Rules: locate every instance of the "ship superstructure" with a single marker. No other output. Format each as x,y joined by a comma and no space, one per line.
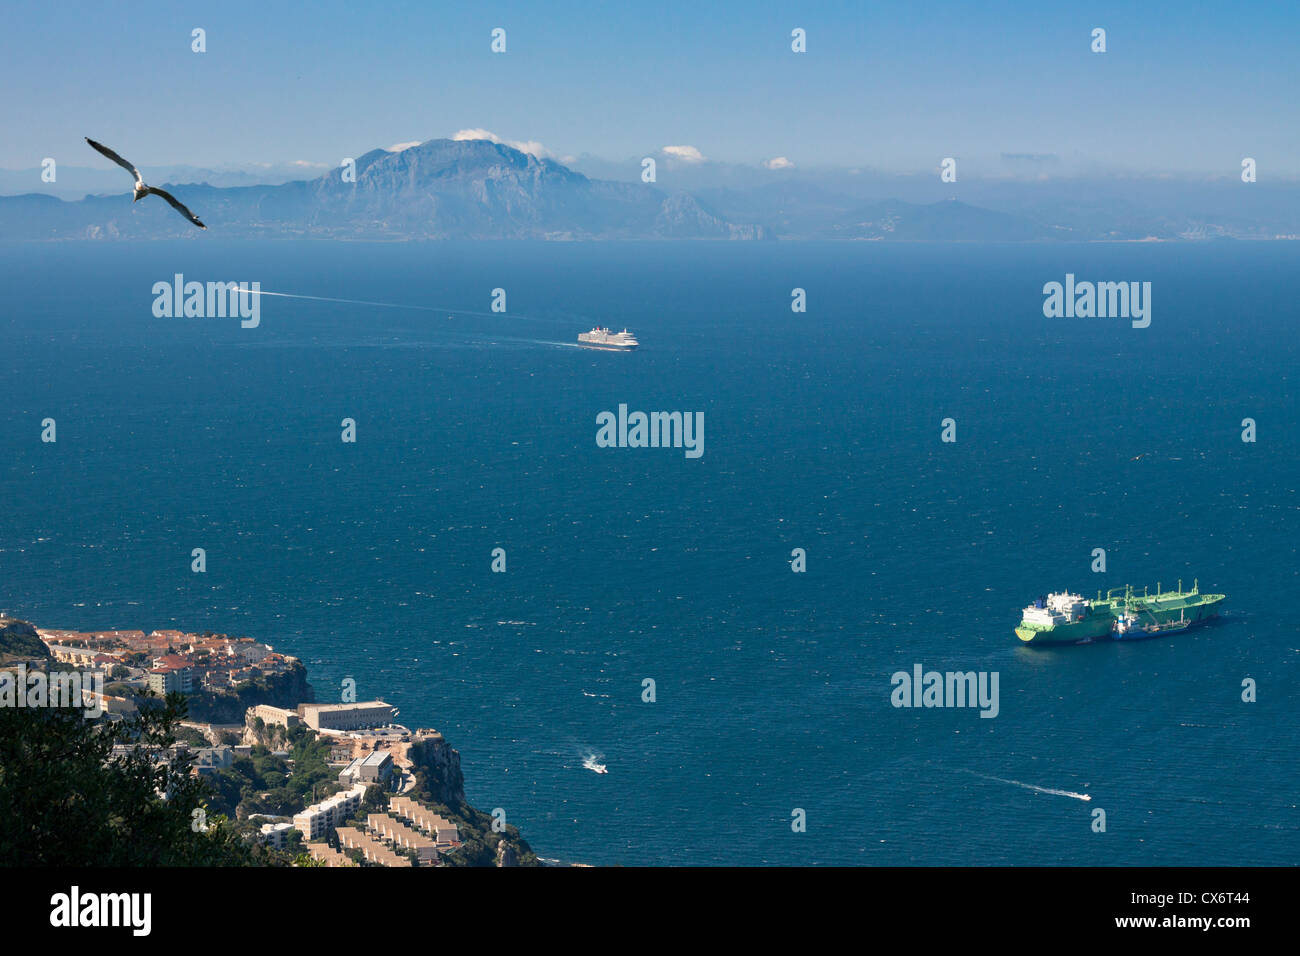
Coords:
1064,618
599,338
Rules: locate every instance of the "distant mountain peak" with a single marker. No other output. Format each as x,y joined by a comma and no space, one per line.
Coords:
438,189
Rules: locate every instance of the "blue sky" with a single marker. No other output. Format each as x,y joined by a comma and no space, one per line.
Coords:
1183,88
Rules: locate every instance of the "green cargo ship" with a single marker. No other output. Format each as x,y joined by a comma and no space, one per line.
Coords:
1122,615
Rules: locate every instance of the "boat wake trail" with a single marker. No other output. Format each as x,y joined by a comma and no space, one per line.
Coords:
381,305
445,310
1029,786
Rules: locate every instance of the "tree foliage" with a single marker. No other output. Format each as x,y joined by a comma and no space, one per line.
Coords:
68,799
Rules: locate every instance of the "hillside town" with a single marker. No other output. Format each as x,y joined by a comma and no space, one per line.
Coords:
165,662
313,784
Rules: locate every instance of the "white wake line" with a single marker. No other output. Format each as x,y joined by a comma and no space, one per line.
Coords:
1030,786
381,305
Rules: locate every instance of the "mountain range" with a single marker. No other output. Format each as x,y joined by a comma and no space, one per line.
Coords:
478,189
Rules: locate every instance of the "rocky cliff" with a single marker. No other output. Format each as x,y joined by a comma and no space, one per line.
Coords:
437,770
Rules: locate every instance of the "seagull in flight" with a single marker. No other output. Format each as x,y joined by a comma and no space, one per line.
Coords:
141,190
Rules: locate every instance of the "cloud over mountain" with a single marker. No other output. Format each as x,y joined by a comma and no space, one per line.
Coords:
687,154
531,146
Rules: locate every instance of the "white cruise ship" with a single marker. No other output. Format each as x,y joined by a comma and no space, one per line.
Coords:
599,338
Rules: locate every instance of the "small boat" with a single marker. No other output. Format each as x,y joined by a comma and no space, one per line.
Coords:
1127,627
1169,627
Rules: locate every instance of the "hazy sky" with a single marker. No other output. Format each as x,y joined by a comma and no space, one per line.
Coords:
1184,87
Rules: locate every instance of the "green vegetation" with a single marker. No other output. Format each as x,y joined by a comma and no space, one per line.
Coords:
479,842
19,641
375,801
69,800
188,735
265,783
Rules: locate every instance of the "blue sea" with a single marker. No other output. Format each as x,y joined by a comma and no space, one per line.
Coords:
477,431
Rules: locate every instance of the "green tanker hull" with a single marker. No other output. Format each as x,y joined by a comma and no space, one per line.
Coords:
1161,608
1092,628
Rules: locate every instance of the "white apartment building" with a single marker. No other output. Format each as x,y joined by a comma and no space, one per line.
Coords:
319,819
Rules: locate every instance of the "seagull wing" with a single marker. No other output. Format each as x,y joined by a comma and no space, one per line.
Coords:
101,148
175,204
